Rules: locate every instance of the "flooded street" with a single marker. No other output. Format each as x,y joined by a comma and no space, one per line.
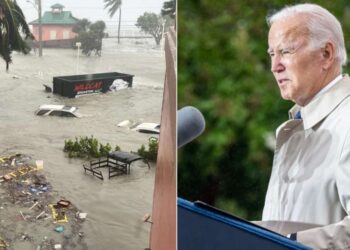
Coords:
115,207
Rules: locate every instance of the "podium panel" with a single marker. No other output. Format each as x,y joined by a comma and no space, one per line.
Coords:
201,226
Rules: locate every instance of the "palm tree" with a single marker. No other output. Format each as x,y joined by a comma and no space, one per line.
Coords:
12,24
113,6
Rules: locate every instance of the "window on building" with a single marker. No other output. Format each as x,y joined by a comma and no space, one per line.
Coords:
66,34
53,34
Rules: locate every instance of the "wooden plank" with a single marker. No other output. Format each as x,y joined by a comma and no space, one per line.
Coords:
163,229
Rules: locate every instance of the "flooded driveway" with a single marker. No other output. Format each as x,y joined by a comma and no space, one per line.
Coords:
115,207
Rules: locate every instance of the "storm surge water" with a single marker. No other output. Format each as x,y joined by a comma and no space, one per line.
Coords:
115,207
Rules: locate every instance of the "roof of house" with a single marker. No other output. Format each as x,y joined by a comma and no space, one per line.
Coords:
59,17
57,6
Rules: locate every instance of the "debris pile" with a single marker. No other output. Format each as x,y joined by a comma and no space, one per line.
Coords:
32,214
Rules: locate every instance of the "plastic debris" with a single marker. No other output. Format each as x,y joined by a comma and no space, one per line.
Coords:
21,184
33,190
125,123
39,164
7,177
57,246
3,244
59,229
36,203
20,172
40,215
118,84
58,215
39,189
82,216
25,237
24,218
147,218
63,203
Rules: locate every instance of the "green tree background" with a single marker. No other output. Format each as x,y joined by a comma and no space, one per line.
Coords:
224,71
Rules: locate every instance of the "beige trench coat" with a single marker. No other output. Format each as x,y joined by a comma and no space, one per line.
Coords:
310,179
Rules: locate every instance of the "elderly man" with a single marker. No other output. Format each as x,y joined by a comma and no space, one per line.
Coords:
310,180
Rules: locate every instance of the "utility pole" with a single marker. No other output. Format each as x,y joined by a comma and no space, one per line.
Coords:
40,29
37,6
78,44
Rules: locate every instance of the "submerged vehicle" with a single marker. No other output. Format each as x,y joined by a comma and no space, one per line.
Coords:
148,127
57,110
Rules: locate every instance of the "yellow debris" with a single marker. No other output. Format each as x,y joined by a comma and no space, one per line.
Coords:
55,215
39,164
25,170
3,244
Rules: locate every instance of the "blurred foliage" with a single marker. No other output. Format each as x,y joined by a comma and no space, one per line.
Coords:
90,36
151,23
81,26
224,71
152,152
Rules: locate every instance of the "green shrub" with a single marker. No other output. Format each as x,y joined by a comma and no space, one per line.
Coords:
104,150
152,152
68,145
90,147
86,147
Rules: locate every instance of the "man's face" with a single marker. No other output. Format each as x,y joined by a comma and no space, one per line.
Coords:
297,67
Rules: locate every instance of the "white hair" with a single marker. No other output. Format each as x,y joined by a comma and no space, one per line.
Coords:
322,25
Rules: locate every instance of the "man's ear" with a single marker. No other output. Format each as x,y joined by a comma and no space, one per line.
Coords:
328,54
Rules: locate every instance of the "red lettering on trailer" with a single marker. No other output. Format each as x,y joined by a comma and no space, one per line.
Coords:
87,86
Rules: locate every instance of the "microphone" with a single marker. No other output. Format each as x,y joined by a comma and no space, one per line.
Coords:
190,124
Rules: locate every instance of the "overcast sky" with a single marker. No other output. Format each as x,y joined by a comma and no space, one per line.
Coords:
94,10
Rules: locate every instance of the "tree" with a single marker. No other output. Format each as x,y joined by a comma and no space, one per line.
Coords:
98,28
90,36
113,6
152,24
169,8
81,26
12,24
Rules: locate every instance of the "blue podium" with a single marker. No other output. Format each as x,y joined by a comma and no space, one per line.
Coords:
202,227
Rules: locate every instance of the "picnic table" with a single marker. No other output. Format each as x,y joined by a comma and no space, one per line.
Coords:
117,162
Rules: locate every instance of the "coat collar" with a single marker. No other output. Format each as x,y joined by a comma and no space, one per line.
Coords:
322,106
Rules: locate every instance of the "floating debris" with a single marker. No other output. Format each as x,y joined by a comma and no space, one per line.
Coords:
82,216
58,214
59,229
30,207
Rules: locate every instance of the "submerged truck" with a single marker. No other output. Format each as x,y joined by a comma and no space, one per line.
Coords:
78,85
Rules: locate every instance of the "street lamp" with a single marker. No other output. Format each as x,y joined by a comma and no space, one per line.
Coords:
37,5
78,44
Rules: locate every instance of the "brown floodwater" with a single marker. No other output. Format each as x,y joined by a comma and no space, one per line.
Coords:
115,207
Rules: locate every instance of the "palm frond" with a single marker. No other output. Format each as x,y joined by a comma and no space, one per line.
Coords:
12,23
112,6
